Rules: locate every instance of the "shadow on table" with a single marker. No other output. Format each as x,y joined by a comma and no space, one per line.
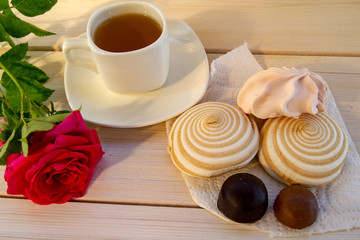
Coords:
124,147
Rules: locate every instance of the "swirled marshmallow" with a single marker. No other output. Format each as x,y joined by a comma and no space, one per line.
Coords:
212,138
309,151
283,92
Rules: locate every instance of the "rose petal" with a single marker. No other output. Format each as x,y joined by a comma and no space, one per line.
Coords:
42,162
14,175
74,123
66,178
63,141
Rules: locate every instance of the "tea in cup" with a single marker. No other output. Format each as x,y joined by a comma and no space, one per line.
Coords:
129,45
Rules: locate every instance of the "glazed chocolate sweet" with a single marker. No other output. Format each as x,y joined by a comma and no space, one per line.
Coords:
296,207
243,198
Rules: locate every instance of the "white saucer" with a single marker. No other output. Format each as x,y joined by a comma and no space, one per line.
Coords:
184,87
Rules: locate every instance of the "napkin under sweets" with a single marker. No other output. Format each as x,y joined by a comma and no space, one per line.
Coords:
339,201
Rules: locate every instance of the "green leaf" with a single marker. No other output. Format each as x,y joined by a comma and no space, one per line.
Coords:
4,148
33,8
2,101
3,33
55,118
3,136
34,90
38,110
13,121
12,145
25,71
4,36
11,117
4,4
33,126
18,28
15,54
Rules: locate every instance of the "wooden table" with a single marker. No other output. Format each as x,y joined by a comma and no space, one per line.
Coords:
136,192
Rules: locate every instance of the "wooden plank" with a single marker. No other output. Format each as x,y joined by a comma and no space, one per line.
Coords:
270,27
136,167
20,219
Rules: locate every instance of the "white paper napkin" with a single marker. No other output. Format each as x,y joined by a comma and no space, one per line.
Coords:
339,201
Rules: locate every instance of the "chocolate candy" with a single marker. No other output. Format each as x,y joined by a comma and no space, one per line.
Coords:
243,198
296,207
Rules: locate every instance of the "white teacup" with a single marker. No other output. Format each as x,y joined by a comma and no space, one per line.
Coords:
134,71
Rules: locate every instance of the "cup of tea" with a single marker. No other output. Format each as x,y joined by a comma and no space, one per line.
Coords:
129,46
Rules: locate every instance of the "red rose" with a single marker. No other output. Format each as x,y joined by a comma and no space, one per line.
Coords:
60,163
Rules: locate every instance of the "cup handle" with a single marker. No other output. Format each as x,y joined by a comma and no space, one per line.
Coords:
72,54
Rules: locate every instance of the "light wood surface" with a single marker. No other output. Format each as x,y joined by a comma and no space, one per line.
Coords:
77,220
300,27
136,192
